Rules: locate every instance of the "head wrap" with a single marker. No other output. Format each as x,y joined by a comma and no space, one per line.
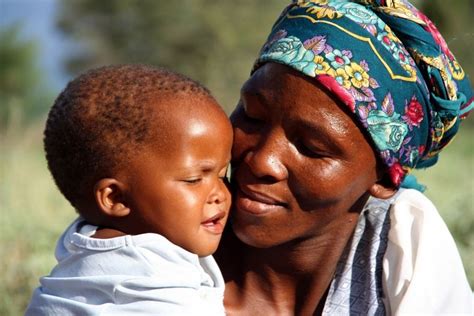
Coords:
388,63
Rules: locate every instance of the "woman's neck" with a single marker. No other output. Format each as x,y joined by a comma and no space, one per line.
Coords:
290,279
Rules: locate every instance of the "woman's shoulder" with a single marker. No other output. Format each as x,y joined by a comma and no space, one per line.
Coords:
417,227
413,199
404,200
413,214
422,269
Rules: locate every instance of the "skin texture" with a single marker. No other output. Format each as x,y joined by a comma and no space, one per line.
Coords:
302,172
176,185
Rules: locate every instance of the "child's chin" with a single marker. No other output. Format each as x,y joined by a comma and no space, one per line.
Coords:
206,252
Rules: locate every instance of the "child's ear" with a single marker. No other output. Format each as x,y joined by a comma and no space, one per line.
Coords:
383,189
109,196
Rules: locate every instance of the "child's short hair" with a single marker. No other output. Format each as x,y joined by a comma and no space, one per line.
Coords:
99,118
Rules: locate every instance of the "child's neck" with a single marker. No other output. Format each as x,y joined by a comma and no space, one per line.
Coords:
105,232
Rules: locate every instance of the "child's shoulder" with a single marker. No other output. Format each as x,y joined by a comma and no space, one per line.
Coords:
78,243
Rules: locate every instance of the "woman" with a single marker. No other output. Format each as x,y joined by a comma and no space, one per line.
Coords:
344,100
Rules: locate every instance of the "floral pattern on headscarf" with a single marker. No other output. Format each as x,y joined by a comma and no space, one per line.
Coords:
388,63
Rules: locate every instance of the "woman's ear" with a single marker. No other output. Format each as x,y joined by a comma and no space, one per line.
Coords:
383,189
109,196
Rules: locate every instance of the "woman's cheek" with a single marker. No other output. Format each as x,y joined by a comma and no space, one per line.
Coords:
243,143
238,144
319,183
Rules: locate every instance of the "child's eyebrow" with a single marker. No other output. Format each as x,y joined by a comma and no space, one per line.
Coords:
204,165
207,165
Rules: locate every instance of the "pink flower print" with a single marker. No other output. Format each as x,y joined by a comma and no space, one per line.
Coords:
386,40
421,149
396,173
430,27
335,87
401,57
413,113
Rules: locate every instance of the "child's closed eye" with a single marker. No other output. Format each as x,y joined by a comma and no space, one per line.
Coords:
192,180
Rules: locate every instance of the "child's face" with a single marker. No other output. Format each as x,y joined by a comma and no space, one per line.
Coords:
178,188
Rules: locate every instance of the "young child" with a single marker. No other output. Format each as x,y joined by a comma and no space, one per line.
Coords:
141,153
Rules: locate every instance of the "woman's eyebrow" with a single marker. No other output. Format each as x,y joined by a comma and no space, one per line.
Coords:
256,97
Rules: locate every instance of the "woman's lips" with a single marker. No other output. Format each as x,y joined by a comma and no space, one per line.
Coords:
257,203
215,224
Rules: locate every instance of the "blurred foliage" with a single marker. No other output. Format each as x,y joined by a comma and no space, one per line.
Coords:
23,96
213,42
32,215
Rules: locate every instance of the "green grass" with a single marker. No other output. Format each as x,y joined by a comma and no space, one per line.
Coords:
33,213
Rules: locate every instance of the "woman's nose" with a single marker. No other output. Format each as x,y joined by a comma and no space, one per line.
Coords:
265,158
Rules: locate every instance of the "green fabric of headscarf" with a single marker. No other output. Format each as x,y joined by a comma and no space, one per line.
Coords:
388,63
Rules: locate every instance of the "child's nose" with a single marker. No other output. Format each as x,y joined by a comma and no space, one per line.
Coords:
219,193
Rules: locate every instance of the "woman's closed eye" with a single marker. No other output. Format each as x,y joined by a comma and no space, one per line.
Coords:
309,150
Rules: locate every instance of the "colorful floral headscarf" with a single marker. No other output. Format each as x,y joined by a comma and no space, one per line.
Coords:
388,63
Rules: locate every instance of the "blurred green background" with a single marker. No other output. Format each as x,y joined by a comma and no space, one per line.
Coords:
212,41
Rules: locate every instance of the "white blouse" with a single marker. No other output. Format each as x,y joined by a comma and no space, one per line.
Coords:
422,270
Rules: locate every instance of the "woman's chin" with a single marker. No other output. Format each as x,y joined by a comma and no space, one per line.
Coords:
254,235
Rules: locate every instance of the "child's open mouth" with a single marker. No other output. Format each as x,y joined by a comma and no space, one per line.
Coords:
215,224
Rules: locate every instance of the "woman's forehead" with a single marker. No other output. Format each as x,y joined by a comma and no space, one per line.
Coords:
279,87
285,95
277,80
271,75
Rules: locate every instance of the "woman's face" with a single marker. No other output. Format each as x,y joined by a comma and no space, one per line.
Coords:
302,167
